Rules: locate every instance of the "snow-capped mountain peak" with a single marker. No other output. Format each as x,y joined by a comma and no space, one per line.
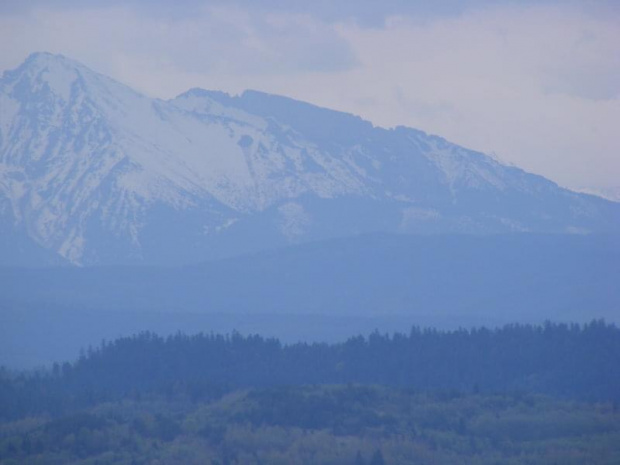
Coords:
98,173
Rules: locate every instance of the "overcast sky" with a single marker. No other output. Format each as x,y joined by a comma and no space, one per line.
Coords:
536,83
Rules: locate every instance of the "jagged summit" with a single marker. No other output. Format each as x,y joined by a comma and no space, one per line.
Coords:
320,124
42,60
39,61
98,173
45,73
42,72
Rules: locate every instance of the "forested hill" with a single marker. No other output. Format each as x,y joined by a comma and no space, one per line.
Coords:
571,361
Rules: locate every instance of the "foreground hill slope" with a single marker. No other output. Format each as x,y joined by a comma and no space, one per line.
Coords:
97,173
423,397
333,425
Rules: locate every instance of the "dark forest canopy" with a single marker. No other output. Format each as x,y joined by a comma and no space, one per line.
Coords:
569,361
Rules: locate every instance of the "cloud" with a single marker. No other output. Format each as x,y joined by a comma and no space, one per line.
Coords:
365,12
215,41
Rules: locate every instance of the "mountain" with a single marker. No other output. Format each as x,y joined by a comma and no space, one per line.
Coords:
319,291
610,193
92,172
513,277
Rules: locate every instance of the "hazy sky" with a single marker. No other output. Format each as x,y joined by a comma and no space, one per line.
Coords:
537,83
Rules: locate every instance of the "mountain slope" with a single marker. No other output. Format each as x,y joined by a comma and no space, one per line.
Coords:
513,277
99,174
321,291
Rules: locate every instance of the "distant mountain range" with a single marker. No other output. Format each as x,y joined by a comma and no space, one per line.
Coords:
319,291
512,277
94,173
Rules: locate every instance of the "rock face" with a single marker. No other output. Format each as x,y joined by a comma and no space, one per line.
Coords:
96,173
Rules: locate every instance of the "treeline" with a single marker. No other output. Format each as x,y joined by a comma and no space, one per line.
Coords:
569,361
